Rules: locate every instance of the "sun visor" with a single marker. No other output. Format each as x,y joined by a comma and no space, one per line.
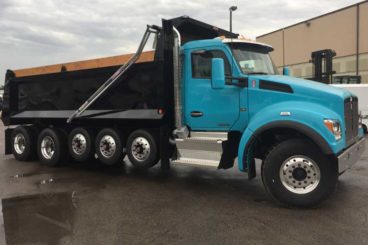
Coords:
191,29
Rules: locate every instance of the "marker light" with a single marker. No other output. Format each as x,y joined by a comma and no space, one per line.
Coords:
161,111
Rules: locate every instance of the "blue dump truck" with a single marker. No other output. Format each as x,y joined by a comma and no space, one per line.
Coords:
207,98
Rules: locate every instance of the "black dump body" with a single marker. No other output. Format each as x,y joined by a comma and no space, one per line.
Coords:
139,93
54,97
68,90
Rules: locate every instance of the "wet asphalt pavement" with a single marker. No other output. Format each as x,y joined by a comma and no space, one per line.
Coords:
91,204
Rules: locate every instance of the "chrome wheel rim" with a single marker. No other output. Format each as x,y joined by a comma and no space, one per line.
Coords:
79,144
19,143
141,149
47,147
107,146
300,174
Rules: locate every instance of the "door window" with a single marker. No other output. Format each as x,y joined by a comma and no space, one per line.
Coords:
202,63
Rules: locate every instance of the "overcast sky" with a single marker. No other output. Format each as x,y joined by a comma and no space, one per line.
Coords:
41,32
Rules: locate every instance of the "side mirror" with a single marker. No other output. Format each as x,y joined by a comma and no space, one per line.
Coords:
218,74
286,71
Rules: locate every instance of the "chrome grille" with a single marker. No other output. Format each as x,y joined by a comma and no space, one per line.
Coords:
351,119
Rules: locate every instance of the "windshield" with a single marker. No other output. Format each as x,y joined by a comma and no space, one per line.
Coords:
253,59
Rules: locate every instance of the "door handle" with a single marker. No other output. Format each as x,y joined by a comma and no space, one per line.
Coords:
196,114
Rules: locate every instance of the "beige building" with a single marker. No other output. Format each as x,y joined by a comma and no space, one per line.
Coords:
344,30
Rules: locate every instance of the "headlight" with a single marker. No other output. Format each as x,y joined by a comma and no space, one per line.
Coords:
334,127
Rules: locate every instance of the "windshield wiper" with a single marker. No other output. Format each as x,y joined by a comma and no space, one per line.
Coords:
257,73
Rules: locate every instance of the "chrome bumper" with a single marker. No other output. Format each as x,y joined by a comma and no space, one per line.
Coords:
351,155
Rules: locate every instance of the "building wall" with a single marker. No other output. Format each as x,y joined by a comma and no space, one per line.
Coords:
363,21
363,41
338,31
276,40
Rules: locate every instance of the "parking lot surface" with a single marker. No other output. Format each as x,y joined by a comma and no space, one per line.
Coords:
92,204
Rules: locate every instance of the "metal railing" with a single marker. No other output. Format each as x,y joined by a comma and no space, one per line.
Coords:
109,82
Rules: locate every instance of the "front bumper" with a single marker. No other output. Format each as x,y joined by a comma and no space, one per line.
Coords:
351,155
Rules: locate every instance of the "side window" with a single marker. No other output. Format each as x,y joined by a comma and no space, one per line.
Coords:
201,63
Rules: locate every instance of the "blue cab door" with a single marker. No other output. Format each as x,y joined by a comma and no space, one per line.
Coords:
206,108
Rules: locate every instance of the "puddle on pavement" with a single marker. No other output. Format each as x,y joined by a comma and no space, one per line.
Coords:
18,176
39,219
260,200
24,175
47,181
41,182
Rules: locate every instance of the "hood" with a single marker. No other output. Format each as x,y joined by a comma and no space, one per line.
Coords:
307,87
309,91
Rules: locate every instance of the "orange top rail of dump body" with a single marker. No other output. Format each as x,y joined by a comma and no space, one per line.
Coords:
84,64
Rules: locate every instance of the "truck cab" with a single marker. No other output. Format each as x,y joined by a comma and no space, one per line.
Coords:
225,106
235,102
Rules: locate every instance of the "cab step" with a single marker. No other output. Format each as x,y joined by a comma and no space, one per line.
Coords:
196,162
202,148
210,135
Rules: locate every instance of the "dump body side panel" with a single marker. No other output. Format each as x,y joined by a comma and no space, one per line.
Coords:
140,88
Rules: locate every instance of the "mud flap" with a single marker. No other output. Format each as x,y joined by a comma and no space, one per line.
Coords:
165,148
250,162
7,144
229,150
251,169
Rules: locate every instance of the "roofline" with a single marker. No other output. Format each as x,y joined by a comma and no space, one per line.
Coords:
317,17
220,40
229,40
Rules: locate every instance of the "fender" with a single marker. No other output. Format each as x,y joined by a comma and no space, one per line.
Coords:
308,122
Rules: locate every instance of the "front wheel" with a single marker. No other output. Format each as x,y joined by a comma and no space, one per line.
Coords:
296,173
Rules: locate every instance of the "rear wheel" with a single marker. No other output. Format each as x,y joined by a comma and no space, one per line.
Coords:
52,147
296,173
80,144
142,149
23,143
109,146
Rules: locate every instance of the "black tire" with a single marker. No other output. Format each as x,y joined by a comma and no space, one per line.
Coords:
305,154
81,144
148,157
365,129
55,139
23,141
106,156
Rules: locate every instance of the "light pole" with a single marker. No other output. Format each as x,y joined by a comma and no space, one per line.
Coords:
231,9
